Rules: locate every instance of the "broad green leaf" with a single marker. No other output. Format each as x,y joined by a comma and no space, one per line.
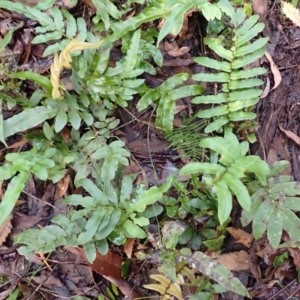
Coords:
71,23
210,11
186,91
132,54
292,203
227,8
147,197
238,105
37,78
110,222
132,231
235,75
241,116
253,32
215,45
213,112
172,82
57,17
64,222
94,191
12,193
109,168
102,246
250,22
75,119
278,167
220,145
275,226
150,97
126,188
211,99
165,113
291,223
60,121
219,77
216,124
146,15
82,34
212,63
90,251
251,47
243,84
91,227
27,119
214,270
239,190
224,201
248,59
194,168
43,38
175,17
247,216
261,218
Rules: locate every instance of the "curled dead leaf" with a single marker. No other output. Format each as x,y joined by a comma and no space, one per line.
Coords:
275,71
291,135
266,90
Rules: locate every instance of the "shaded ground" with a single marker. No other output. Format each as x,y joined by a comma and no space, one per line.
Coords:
152,159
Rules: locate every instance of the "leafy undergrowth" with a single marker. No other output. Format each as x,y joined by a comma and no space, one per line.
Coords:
126,155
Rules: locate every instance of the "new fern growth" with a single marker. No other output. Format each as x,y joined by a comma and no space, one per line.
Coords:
239,92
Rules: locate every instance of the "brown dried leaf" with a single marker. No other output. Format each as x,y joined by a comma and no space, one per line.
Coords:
63,185
235,261
5,229
275,71
241,236
128,247
291,135
260,6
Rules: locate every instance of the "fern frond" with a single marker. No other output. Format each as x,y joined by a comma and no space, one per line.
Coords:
239,91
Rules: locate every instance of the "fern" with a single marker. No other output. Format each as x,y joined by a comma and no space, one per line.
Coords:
273,206
53,27
105,215
227,174
238,88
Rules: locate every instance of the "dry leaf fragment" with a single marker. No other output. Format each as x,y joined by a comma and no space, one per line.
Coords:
291,135
260,7
128,247
275,71
5,229
291,12
241,236
235,261
266,90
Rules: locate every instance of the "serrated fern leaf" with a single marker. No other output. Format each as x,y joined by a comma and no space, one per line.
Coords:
239,87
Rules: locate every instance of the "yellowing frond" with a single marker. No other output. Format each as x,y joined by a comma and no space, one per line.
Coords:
291,12
64,61
165,288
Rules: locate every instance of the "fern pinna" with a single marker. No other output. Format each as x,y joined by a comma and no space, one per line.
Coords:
239,90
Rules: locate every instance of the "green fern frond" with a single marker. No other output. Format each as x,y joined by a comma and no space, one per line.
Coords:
273,206
227,174
239,90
